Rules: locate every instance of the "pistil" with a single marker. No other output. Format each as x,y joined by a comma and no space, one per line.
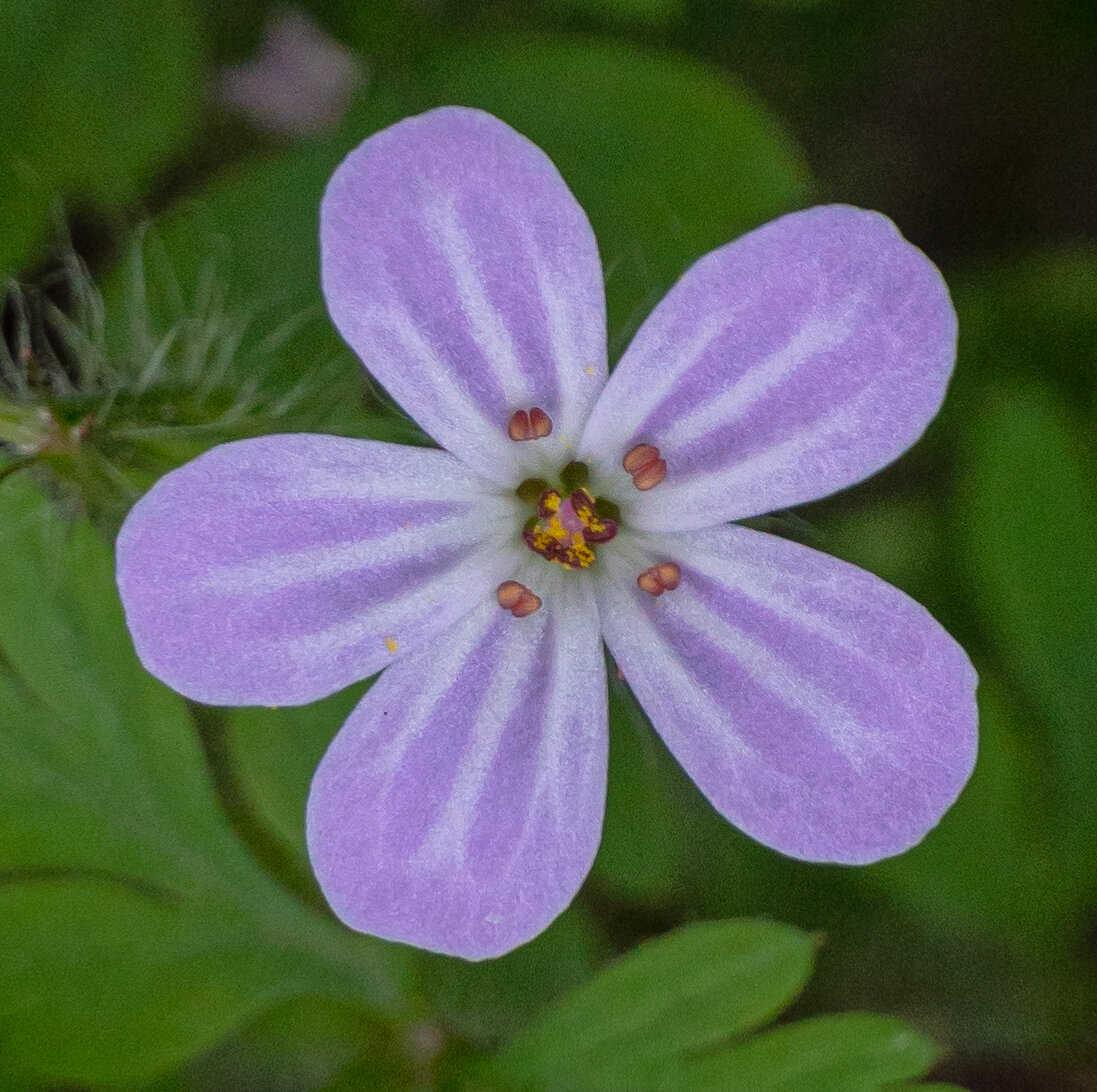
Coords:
567,528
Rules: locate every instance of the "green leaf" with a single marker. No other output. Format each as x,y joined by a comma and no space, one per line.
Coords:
680,993
24,210
850,1052
136,928
275,752
988,866
1027,519
489,1001
895,537
627,11
304,1045
73,74
1037,316
643,837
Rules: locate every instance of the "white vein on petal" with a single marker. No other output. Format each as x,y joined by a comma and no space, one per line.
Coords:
758,582
478,573
646,384
444,399
486,324
850,736
569,358
448,658
690,503
820,333
664,670
569,621
446,843
277,572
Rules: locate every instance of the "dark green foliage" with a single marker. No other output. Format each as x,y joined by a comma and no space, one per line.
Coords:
159,929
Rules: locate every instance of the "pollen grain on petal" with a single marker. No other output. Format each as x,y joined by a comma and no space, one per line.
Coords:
527,605
660,578
390,644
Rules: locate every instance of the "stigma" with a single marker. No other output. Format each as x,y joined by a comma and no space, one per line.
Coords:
568,528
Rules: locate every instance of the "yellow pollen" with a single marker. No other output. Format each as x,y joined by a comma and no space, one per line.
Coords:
390,644
556,529
581,554
555,536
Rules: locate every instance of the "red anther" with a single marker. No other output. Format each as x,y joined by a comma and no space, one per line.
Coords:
639,457
509,592
534,425
518,427
645,466
540,423
527,605
669,574
517,598
659,578
650,476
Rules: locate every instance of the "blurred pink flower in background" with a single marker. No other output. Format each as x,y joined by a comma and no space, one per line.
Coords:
301,82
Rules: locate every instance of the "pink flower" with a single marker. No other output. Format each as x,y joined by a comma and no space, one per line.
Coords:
822,711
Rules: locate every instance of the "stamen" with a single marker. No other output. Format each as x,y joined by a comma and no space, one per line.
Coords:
531,489
639,457
574,476
659,578
540,423
669,574
567,527
534,425
518,426
645,465
517,598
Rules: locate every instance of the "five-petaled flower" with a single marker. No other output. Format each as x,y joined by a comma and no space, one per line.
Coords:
820,710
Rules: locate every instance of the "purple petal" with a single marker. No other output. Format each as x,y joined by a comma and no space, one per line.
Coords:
460,268
460,807
819,709
277,570
789,364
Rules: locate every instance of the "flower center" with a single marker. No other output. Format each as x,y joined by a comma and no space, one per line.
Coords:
569,521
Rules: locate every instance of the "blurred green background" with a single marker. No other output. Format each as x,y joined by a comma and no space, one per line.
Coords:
161,163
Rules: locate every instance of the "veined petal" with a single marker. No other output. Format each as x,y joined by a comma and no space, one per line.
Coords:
463,272
277,570
821,710
793,362
460,807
